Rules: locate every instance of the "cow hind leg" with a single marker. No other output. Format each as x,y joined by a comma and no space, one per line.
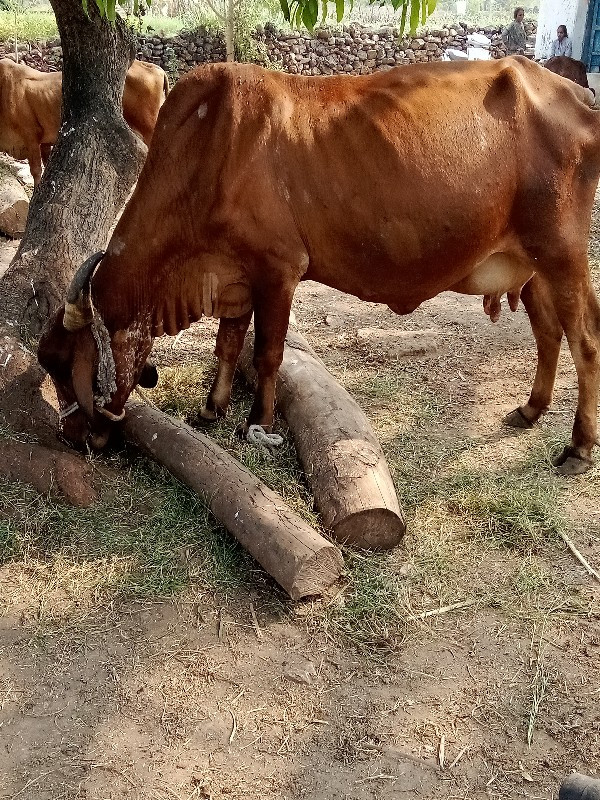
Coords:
272,306
45,150
548,333
35,164
578,311
230,340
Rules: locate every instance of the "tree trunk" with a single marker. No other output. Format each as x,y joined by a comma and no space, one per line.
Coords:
230,30
88,178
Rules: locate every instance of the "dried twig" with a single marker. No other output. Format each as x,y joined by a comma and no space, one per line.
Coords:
378,777
31,783
540,684
222,623
117,771
234,728
442,751
444,609
458,757
594,573
167,790
259,634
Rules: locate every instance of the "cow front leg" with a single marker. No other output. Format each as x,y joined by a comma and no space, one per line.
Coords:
271,317
579,313
230,340
548,333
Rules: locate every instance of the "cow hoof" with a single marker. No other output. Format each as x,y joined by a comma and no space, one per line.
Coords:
205,417
516,419
579,787
570,463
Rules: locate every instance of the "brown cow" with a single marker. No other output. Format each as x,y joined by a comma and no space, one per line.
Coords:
569,68
257,180
30,107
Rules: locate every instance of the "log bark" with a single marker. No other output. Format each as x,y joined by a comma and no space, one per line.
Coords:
300,560
337,447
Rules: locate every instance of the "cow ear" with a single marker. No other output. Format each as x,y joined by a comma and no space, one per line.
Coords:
149,377
82,376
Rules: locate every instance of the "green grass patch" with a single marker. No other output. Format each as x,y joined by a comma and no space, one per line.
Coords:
181,390
160,26
33,25
27,25
148,536
509,510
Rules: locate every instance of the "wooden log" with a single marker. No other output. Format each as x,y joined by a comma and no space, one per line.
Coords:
300,560
14,205
337,447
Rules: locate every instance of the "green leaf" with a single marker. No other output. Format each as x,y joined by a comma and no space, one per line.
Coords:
310,13
111,10
339,10
415,8
101,7
85,8
403,18
431,4
285,8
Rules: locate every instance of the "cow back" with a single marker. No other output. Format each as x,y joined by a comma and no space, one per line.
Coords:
146,87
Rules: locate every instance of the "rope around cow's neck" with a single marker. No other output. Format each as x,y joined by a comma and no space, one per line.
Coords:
106,381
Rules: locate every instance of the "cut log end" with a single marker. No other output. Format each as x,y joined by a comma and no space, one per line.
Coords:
372,529
318,573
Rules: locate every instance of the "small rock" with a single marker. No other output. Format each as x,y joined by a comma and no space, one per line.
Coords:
304,673
406,570
332,321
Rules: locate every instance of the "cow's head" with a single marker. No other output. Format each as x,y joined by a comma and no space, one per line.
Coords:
78,361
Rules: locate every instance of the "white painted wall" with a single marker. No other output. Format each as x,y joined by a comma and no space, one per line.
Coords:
572,13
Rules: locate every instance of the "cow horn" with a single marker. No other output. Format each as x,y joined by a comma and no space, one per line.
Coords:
78,305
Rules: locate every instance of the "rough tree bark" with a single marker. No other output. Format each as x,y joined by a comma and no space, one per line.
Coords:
89,175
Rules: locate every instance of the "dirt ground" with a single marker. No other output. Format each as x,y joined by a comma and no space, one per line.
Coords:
194,697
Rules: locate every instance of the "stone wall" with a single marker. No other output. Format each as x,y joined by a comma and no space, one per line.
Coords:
353,49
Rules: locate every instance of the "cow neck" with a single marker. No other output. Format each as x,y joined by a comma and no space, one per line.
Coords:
118,301
126,299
